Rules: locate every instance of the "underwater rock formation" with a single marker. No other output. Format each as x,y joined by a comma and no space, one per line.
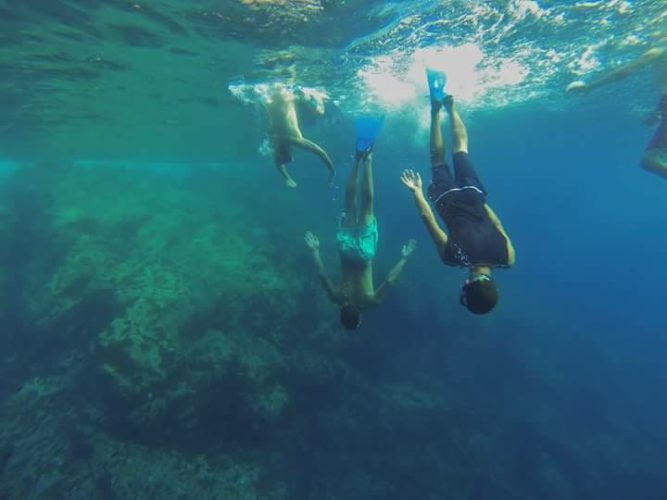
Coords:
161,339
178,309
174,273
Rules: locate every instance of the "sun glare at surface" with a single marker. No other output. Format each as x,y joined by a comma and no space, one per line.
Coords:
396,80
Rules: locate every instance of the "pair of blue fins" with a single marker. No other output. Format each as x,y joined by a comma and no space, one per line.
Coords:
367,127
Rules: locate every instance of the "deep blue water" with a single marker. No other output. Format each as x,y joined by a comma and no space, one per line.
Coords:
581,311
558,394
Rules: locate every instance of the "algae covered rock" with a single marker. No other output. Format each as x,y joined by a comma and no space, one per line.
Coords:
187,299
47,450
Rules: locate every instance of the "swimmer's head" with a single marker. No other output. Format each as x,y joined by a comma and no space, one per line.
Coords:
479,294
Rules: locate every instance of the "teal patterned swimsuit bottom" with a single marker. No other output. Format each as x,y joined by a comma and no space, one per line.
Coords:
358,244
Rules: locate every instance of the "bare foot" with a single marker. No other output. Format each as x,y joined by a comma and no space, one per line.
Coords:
578,86
290,183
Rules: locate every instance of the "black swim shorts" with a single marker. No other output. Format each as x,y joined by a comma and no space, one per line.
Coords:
464,178
282,153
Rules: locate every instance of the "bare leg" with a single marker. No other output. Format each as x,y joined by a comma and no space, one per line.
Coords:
307,145
655,161
350,219
367,193
437,145
282,168
459,133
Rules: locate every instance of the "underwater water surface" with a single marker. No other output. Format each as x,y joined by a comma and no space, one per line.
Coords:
163,332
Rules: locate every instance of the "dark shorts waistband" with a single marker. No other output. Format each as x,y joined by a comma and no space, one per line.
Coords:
465,177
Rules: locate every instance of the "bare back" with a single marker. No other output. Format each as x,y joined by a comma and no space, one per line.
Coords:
356,285
281,110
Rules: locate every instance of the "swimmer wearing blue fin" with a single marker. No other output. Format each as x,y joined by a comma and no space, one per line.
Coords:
476,239
357,236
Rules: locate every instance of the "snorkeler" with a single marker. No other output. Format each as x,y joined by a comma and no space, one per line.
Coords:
357,238
654,158
284,128
476,238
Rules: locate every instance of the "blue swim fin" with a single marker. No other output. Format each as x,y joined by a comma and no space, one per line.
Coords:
436,84
366,130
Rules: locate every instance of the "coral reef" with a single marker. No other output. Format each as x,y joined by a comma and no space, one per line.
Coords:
174,266
179,308
49,454
161,340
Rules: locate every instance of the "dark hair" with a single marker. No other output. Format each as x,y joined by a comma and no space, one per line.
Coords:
480,296
350,317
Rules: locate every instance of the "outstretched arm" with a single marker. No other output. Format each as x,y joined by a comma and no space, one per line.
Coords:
314,244
395,271
618,73
413,181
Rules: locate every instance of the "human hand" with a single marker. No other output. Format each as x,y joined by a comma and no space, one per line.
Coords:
578,86
408,248
412,180
312,241
314,102
319,106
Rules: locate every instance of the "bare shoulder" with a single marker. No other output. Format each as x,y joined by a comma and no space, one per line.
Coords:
377,298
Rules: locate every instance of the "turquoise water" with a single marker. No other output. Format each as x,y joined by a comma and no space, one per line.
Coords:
164,333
